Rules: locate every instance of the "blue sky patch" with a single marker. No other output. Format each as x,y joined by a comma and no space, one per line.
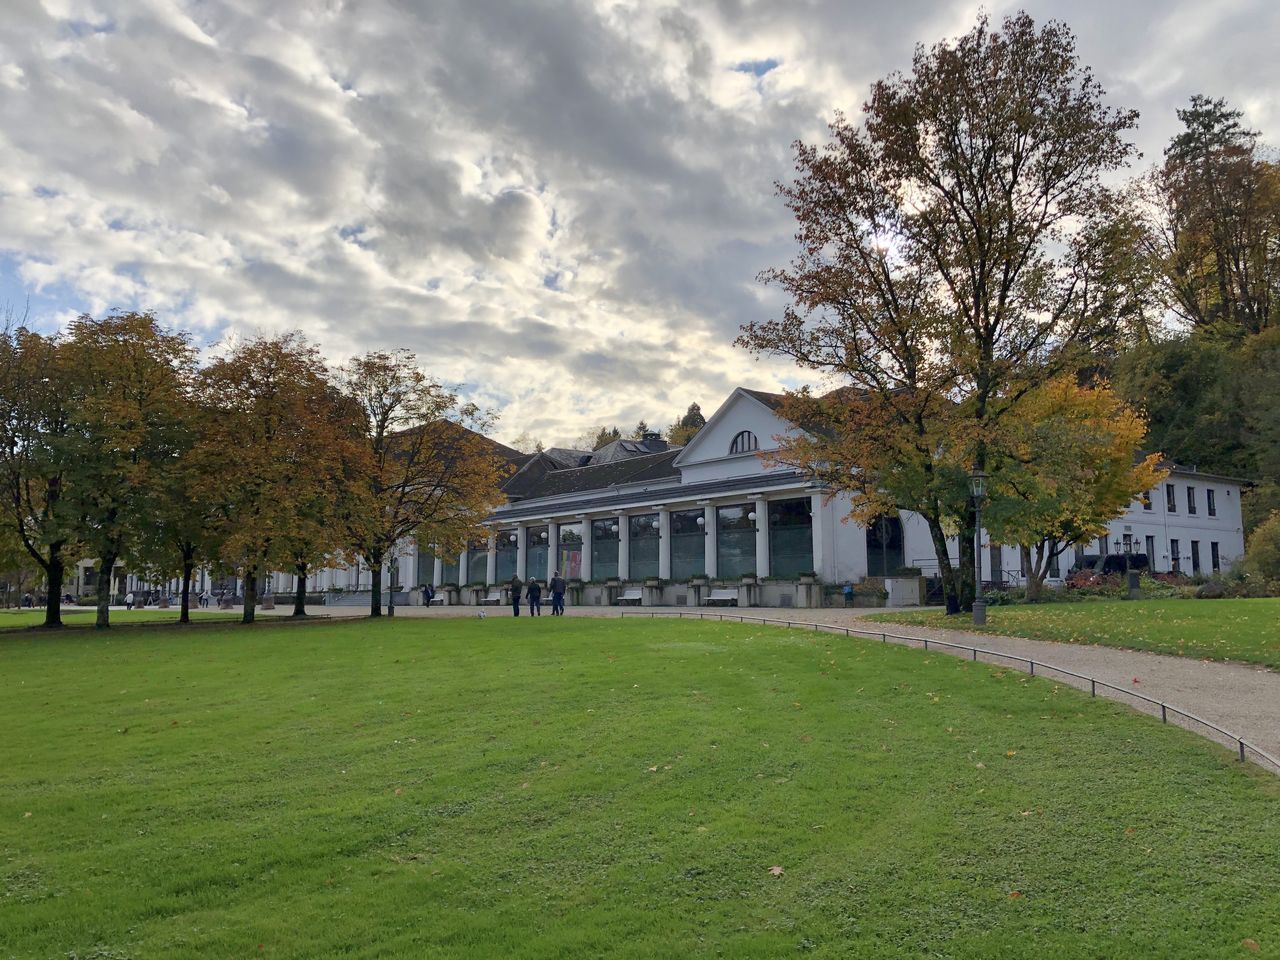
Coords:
757,68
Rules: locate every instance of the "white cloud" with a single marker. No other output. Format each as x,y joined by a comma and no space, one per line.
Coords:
561,206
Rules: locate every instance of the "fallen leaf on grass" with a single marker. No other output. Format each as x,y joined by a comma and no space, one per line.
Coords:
981,766
1011,753
1250,944
398,791
1016,895
776,871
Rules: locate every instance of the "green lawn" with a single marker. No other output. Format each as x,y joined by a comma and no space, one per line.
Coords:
15,619
1245,630
588,788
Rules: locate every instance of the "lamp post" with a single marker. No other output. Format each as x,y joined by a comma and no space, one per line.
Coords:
393,567
1130,576
978,486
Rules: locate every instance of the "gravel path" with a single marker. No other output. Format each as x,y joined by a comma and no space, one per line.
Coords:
1242,699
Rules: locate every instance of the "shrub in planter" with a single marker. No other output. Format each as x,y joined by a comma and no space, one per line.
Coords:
908,572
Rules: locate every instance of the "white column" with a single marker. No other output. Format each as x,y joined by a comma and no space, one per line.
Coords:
491,562
437,572
664,543
586,548
624,547
553,549
818,528
522,551
709,557
762,537
463,572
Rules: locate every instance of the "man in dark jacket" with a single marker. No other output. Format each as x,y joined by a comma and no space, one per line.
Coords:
533,591
557,594
517,594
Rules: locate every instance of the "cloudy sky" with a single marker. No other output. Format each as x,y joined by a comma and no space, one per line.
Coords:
559,206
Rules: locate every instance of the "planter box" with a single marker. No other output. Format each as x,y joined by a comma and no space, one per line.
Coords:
904,591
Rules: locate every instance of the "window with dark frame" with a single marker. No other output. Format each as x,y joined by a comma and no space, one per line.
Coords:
1146,500
1171,498
1195,556
744,441
1211,502
1175,560
1191,501
1214,559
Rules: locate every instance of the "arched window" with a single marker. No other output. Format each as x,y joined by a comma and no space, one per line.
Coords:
744,442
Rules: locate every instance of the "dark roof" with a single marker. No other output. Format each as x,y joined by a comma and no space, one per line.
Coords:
534,483
771,400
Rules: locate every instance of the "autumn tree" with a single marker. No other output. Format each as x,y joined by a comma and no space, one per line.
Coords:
36,454
1213,231
129,383
951,259
267,451
1069,463
686,427
424,469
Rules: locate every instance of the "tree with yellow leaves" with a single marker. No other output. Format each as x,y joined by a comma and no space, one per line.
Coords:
424,470
1065,466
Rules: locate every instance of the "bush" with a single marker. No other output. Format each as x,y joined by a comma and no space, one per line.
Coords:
997,598
1262,558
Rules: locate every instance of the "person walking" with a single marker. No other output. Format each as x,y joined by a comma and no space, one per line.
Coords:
557,594
204,597
533,591
517,594
128,600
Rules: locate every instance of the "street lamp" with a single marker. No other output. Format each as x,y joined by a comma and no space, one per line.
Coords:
978,486
1130,576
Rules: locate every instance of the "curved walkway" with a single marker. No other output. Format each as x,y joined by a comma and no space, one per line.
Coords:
1241,698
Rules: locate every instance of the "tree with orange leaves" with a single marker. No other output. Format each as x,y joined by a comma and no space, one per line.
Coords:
270,454
954,254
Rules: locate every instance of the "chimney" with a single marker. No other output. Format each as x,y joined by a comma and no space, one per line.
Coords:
653,442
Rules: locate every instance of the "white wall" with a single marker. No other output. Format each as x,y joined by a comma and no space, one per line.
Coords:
708,458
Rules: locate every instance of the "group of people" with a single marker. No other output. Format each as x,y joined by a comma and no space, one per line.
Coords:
531,592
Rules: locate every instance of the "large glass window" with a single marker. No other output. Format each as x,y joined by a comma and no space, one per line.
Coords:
426,567
790,537
535,556
604,548
735,541
688,544
569,562
644,545
884,547
508,548
477,563
451,570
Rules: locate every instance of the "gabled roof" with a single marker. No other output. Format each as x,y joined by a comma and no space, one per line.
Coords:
772,401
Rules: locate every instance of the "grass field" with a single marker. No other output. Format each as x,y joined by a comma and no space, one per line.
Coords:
16,619
588,788
1244,630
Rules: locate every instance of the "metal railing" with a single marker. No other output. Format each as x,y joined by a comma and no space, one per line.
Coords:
1167,712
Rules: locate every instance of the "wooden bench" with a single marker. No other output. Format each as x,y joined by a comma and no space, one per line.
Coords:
727,596
632,596
494,597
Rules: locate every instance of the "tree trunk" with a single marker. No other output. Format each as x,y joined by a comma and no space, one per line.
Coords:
300,591
188,565
53,572
1035,577
106,571
250,593
375,576
950,588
